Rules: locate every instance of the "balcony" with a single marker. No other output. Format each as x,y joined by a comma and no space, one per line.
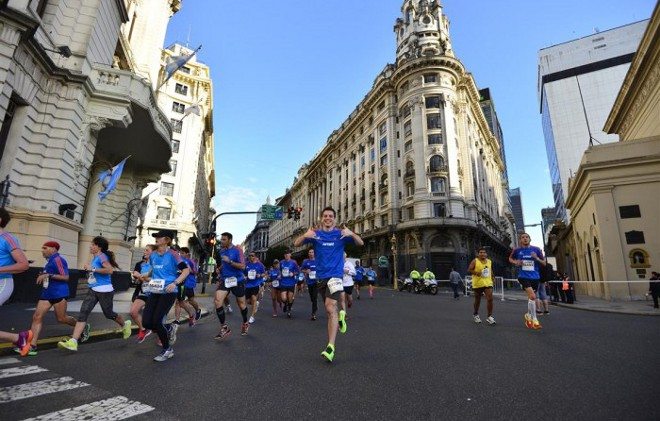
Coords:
439,170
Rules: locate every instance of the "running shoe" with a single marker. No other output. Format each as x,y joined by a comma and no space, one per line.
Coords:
171,333
329,353
229,309
546,313
490,320
224,332
142,335
274,314
313,317
126,330
342,322
244,328
23,343
192,320
198,314
536,325
528,321
70,344
251,320
476,318
32,352
165,355
288,314
84,336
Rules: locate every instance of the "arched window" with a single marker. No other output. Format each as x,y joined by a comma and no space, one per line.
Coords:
436,163
383,180
438,184
410,189
410,169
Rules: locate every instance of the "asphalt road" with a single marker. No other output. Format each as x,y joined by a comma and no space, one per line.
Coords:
404,357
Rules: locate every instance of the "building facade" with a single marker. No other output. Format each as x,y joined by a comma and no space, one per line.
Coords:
577,84
517,208
180,200
415,165
78,97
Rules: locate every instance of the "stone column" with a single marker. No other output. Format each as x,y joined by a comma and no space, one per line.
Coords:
458,109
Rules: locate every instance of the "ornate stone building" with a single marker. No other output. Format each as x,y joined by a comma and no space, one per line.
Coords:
77,80
416,159
181,199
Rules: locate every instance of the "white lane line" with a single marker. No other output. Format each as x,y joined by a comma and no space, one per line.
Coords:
20,371
117,408
42,387
8,360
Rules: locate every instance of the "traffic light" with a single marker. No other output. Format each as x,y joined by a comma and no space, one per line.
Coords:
297,213
290,212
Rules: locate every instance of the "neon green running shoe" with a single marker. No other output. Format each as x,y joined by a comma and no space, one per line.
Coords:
329,353
342,321
70,344
126,330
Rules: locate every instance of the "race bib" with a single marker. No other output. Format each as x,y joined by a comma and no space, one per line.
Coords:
91,280
156,286
275,283
335,285
485,273
528,265
370,278
252,274
312,274
231,282
285,272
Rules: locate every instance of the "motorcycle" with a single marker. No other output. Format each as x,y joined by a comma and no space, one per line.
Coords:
428,286
406,284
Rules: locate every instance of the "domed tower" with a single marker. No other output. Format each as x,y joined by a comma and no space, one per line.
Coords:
422,31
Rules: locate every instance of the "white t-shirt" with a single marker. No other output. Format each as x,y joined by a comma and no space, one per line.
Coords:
347,281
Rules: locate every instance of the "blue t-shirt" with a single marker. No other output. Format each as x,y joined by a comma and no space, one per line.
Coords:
329,253
530,269
255,274
311,265
8,243
289,267
235,254
56,265
359,274
191,279
165,266
102,279
273,274
370,274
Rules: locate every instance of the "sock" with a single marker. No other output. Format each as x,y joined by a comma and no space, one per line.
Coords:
244,314
529,307
220,312
75,340
532,303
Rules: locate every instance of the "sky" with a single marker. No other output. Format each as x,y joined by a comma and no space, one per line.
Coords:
287,73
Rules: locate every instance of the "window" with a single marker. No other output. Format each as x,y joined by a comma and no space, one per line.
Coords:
435,139
177,107
439,210
383,144
437,184
181,89
410,189
405,111
173,166
405,87
372,154
631,211
381,106
436,163
163,213
383,198
362,161
410,169
6,125
383,180
382,129
177,125
430,78
433,121
433,101
175,146
383,220
185,69
411,213
166,189
383,160
407,146
407,128
635,237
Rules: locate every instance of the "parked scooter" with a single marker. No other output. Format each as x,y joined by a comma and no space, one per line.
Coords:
406,284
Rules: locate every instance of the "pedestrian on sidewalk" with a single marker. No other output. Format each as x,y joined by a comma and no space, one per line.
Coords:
12,261
454,281
654,288
542,299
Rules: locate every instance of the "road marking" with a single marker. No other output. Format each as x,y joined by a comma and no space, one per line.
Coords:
117,408
43,387
20,371
8,360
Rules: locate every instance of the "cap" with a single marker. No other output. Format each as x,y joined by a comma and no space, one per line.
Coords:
163,233
54,244
275,261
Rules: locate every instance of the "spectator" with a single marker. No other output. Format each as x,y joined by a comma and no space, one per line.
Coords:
654,288
454,281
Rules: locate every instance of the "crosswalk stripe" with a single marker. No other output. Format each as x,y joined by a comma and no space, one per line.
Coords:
116,408
39,388
8,360
20,371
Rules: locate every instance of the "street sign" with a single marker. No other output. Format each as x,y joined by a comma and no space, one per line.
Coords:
383,262
271,213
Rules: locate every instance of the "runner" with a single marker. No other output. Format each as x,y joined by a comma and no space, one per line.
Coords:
481,269
232,265
274,275
100,291
300,283
529,260
348,283
359,278
12,261
141,274
191,282
371,280
55,281
309,269
328,242
186,290
255,271
290,270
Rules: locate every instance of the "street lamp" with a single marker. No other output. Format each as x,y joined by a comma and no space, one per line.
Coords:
394,251
542,233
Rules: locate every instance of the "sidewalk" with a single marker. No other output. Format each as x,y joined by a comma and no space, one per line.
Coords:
17,317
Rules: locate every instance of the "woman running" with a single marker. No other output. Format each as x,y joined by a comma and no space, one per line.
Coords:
140,275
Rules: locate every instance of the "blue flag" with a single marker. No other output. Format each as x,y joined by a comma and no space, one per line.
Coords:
176,63
109,178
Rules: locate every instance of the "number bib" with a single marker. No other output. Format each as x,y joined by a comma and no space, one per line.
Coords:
275,283
335,285
528,265
485,273
252,274
286,273
312,274
156,286
231,282
91,280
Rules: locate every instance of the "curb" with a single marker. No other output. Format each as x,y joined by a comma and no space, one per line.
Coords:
602,310
6,349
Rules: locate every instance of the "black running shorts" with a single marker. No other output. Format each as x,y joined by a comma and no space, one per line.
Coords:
529,283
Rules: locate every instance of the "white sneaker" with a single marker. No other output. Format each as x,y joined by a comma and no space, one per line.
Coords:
476,318
251,320
165,355
490,320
